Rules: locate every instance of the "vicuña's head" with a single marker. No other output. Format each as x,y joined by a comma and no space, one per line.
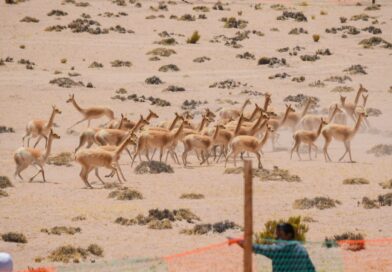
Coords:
71,98
362,89
337,108
56,110
257,107
342,99
54,135
153,114
362,113
323,122
209,113
143,121
365,97
220,126
247,101
270,128
289,108
187,115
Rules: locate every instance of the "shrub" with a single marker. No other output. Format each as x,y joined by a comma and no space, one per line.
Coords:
192,196
95,250
125,194
348,240
58,230
268,233
14,237
194,38
5,182
386,184
316,37
355,181
320,203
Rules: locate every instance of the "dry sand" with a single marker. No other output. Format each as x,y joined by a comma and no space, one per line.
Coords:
27,94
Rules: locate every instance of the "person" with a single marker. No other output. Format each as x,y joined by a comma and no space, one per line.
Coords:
6,264
287,254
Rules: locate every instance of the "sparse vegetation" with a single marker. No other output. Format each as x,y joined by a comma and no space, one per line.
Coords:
268,234
381,150
316,37
355,181
59,230
348,241
61,159
320,203
5,182
153,167
69,253
125,193
194,38
162,52
219,227
192,196
276,174
386,184
14,237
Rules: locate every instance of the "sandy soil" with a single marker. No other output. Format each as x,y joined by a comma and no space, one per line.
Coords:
27,94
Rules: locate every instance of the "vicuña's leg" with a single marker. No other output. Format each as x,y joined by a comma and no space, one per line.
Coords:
316,149
325,149
83,174
260,166
97,175
349,151
78,122
345,152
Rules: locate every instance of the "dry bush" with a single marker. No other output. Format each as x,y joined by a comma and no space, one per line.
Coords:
381,150
268,234
385,200
272,62
58,230
160,224
154,80
342,89
3,193
4,129
121,63
14,237
368,203
192,196
95,64
169,68
234,23
28,19
95,250
355,181
386,184
153,167
156,215
68,253
162,52
79,218
194,38
167,41
218,227
316,37
5,182
320,203
276,174
62,159
356,69
354,241
201,59
125,194
66,82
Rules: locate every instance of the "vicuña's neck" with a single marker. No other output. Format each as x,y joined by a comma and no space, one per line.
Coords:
237,129
51,119
121,147
357,97
243,106
284,117
257,123
319,129
330,118
358,123
202,124
266,103
49,147
254,113
306,108
77,106
215,133
265,138
173,123
176,134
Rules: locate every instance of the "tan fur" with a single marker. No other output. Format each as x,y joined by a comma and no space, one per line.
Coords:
25,157
307,137
233,113
312,121
293,118
247,143
341,133
94,158
40,128
90,113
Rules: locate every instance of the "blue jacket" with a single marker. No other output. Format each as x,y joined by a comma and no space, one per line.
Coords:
286,256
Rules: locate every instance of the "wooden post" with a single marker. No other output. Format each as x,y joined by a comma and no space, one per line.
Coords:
248,216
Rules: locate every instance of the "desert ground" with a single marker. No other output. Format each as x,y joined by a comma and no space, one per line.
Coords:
26,94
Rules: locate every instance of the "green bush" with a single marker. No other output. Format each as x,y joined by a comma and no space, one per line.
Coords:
194,38
269,232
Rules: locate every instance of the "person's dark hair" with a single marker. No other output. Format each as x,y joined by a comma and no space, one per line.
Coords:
287,229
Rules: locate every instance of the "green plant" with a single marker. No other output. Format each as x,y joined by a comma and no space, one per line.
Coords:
194,38
268,233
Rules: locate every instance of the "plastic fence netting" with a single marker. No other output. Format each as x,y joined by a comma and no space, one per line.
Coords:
345,256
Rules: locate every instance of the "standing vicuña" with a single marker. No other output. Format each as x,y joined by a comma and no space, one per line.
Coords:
307,137
341,133
25,156
90,113
40,128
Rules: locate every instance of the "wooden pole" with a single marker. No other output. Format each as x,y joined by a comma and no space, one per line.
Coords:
248,216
